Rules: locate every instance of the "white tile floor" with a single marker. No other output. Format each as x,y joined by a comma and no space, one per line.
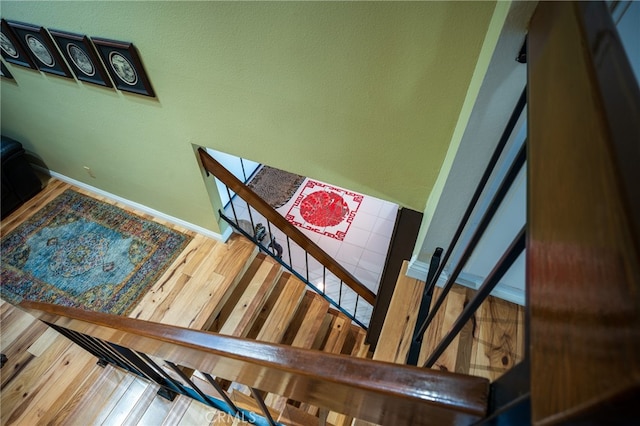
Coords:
362,251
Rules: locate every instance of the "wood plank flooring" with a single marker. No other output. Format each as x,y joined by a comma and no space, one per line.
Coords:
490,343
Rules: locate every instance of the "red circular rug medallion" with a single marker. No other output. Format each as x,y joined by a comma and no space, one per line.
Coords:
323,208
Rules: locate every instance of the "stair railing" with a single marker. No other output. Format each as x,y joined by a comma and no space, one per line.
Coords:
582,233
429,310
285,243
373,391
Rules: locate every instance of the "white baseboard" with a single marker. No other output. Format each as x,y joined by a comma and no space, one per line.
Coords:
190,226
419,270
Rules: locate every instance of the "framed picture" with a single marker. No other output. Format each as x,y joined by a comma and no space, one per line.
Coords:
124,65
12,50
38,43
4,72
82,58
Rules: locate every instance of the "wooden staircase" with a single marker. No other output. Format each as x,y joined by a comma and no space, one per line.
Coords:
228,288
263,303
225,288
232,290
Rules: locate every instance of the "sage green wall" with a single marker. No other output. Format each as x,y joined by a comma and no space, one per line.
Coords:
361,95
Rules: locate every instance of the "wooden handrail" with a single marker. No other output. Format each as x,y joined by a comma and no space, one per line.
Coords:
583,257
226,177
374,391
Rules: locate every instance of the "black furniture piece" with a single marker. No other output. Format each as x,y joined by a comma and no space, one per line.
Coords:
19,182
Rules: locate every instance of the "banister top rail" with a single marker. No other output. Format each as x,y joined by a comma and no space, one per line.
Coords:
215,168
583,248
375,391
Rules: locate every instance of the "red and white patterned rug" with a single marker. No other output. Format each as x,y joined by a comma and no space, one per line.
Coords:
324,209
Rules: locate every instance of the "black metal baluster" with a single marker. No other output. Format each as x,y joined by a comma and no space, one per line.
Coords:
253,225
289,248
172,387
504,138
515,249
306,258
263,406
340,294
244,172
270,237
513,172
205,398
122,361
423,310
222,393
233,207
355,310
86,344
140,364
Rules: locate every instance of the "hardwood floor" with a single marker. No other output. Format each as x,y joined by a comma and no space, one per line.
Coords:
489,344
224,288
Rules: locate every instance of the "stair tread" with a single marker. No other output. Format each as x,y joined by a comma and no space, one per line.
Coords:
395,337
137,392
179,407
339,329
112,385
307,321
204,278
283,311
156,412
250,303
197,413
302,333
238,291
358,348
355,339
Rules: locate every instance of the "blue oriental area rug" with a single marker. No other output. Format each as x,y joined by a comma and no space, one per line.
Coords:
81,252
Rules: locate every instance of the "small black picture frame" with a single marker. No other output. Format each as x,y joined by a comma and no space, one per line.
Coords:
37,42
4,71
81,56
12,50
124,65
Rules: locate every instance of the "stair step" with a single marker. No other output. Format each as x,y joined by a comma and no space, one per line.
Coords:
268,306
137,397
103,396
339,329
301,333
307,321
145,402
155,414
255,295
395,337
198,413
238,291
281,310
205,277
352,340
179,407
277,313
355,346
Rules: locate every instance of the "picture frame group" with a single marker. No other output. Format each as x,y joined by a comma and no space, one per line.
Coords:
104,62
